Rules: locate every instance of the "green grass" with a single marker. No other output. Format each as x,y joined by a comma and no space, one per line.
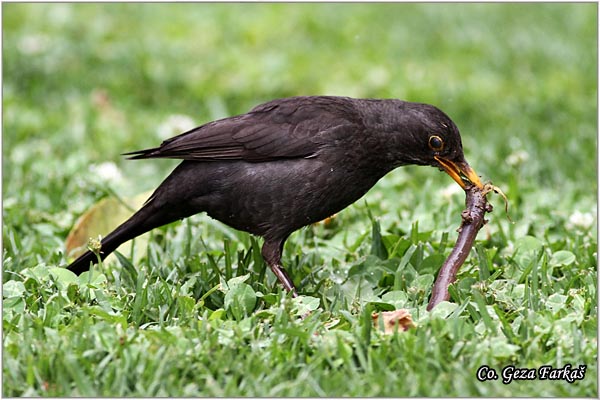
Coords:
200,315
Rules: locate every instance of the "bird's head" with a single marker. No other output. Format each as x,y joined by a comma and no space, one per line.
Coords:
426,136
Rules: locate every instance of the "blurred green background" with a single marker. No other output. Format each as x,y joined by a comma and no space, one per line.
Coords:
513,76
86,82
83,83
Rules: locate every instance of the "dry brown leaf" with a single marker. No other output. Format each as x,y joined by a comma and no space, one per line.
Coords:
394,321
101,219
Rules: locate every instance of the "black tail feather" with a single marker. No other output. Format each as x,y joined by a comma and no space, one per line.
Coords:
150,216
140,154
83,262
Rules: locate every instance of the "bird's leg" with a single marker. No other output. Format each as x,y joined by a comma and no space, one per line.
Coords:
271,252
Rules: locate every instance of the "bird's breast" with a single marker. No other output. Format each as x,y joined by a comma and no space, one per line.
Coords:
276,198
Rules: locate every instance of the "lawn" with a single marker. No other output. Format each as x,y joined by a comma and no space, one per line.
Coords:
193,311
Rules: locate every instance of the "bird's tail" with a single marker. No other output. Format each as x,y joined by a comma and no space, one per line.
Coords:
146,219
147,153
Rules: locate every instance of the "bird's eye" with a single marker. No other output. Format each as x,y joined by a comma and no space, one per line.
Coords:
436,143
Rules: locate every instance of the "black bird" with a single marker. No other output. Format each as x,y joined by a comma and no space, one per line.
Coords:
289,163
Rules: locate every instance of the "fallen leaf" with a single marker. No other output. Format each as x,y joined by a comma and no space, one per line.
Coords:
101,219
393,321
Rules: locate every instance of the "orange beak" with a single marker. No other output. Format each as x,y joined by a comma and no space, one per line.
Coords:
461,172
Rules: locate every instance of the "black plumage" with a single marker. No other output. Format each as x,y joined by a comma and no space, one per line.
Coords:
289,163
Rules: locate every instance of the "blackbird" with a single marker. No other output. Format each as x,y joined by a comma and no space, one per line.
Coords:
289,163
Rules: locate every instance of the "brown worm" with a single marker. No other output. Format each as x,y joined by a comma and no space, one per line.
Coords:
472,221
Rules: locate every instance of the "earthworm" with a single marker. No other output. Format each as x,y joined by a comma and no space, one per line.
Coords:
472,221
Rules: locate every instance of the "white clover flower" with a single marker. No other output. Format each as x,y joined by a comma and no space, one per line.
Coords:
33,44
517,157
378,77
107,171
580,220
174,125
510,248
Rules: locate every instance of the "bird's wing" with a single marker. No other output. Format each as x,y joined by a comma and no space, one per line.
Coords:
285,128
